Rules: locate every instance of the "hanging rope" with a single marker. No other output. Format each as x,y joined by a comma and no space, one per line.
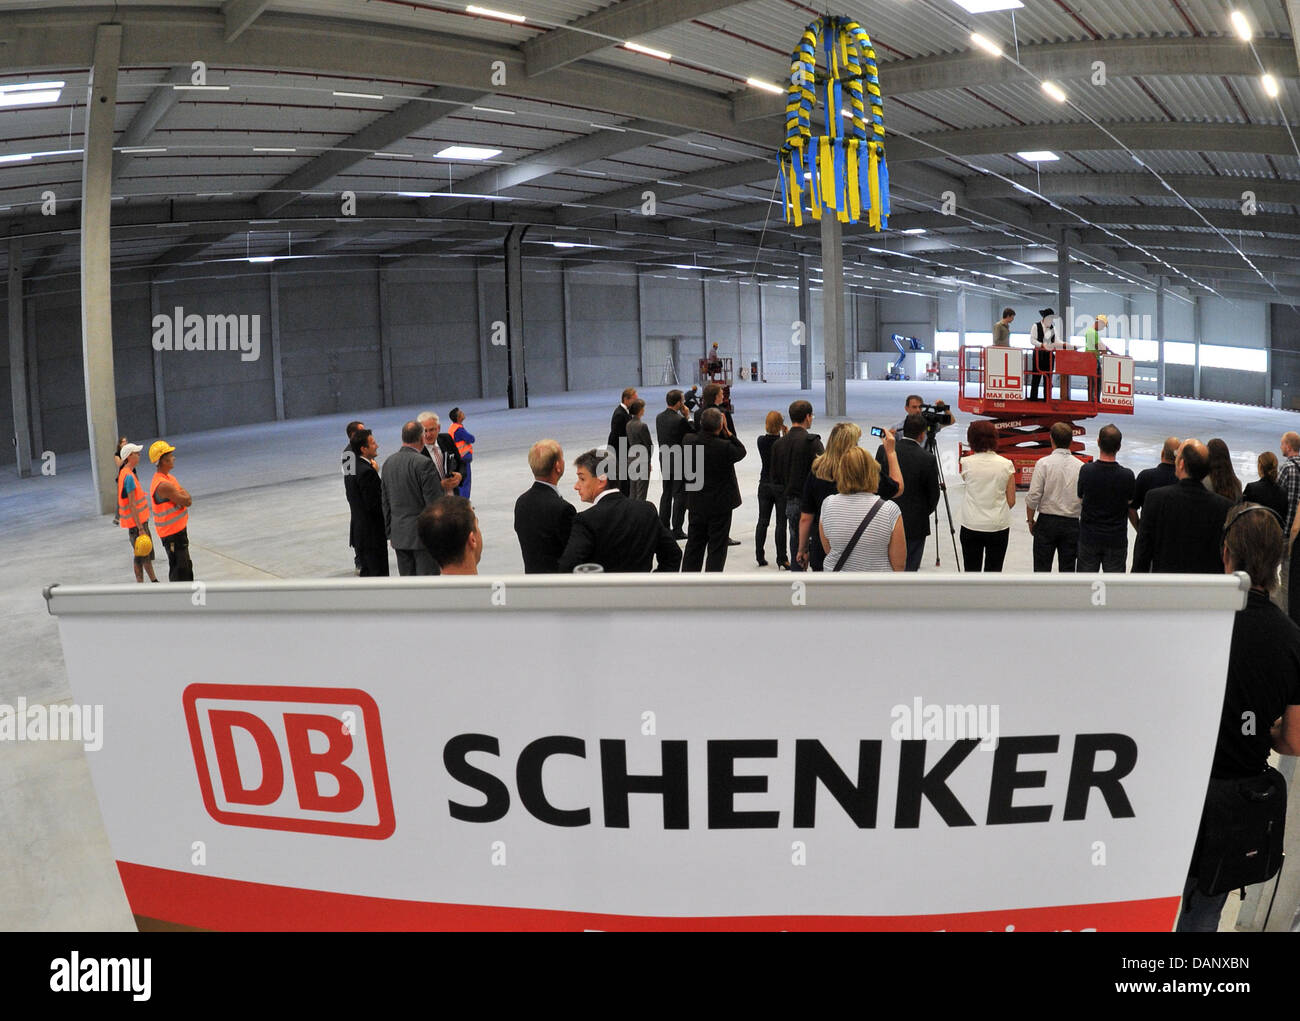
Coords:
844,170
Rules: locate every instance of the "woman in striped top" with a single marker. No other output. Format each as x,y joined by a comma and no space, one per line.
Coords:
883,545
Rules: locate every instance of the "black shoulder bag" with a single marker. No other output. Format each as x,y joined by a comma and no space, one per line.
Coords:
1242,827
848,550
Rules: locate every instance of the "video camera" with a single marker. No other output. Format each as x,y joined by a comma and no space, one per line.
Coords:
937,415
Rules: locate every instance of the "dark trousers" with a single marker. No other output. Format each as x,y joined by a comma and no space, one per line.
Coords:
416,562
1055,537
769,498
374,561
672,504
707,531
179,566
915,551
1111,559
1042,364
1199,913
984,551
792,514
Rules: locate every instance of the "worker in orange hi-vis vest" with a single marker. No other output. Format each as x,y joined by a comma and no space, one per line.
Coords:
133,511
171,512
464,441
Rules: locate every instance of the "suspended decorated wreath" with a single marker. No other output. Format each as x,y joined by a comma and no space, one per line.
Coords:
843,170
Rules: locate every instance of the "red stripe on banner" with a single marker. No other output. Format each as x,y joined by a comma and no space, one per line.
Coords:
208,902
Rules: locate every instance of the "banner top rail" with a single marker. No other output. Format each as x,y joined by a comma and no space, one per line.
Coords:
597,593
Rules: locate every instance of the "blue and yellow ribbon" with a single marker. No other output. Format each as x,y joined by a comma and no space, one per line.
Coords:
843,170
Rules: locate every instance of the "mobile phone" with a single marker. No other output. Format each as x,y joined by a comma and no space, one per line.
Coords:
877,431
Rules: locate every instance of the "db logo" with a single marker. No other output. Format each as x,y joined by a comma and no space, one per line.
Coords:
309,760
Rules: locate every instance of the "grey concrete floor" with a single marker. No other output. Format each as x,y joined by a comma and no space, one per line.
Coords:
268,503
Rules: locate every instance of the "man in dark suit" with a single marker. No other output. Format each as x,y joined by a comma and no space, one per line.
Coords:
617,442
411,483
671,427
719,494
349,468
617,533
711,397
441,450
1182,524
543,518
366,499
920,495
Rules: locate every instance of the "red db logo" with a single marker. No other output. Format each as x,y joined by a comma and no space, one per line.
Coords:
309,760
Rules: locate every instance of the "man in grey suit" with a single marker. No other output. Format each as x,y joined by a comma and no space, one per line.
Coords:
411,483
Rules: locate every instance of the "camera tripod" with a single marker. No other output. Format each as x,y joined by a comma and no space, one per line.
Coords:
932,448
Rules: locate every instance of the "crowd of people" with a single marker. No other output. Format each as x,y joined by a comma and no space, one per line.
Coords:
836,507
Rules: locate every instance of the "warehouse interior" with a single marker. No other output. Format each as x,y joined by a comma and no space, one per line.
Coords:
521,209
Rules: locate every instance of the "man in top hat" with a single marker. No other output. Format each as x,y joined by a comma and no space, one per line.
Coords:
1043,336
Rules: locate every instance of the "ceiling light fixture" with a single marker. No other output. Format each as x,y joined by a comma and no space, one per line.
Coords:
1270,86
493,109
358,95
1038,156
1241,25
272,148
638,48
985,6
915,231
261,258
30,93
467,152
201,88
986,44
136,150
1055,91
488,12
758,83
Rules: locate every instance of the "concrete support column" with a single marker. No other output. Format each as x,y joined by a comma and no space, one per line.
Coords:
159,387
96,265
805,311
18,361
833,347
1063,298
277,357
516,378
484,328
1196,346
1160,337
34,382
565,305
961,317
646,377
385,347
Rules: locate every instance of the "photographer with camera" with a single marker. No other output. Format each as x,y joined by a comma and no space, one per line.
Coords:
937,416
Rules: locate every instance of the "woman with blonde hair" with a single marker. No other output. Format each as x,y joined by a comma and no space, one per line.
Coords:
770,495
859,529
1266,491
820,484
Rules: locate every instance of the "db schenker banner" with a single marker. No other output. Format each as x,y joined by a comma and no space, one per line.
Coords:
660,753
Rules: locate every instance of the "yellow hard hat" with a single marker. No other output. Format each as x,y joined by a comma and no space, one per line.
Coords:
143,545
158,448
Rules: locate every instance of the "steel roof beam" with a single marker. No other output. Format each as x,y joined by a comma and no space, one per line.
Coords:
608,27
1124,58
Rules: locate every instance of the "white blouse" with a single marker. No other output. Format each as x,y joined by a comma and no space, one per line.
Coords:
985,506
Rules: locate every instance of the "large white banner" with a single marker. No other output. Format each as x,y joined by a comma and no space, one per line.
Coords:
655,752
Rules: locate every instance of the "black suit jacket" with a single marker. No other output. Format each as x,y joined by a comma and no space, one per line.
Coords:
543,522
617,427
365,498
720,492
621,535
1180,530
920,485
699,413
450,455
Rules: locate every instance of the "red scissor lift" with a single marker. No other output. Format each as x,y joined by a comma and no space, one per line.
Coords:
994,383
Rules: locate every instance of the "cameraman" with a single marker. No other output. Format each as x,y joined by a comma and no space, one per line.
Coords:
940,418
